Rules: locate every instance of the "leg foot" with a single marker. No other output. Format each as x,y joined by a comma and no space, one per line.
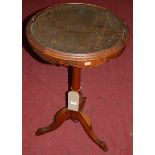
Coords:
85,122
59,118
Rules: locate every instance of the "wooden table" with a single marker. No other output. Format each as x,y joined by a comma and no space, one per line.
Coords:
77,36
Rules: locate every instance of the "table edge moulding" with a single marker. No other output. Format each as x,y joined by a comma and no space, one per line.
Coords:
77,60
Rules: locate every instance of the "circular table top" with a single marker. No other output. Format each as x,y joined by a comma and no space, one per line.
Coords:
79,35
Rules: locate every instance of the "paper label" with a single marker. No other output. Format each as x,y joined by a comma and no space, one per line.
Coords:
73,101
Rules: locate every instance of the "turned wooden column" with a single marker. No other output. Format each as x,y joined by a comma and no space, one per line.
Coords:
76,79
76,85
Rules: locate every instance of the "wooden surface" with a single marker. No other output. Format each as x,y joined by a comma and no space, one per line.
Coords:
79,35
76,79
65,114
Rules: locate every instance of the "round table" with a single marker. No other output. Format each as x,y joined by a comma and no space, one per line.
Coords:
77,36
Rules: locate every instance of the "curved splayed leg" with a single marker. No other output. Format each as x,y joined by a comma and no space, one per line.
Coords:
59,118
85,122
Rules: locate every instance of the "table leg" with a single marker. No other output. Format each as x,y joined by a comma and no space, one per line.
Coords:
85,122
59,118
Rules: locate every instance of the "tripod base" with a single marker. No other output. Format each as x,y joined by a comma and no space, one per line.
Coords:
76,116
65,114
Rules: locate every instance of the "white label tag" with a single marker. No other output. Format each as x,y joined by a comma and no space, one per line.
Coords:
73,101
